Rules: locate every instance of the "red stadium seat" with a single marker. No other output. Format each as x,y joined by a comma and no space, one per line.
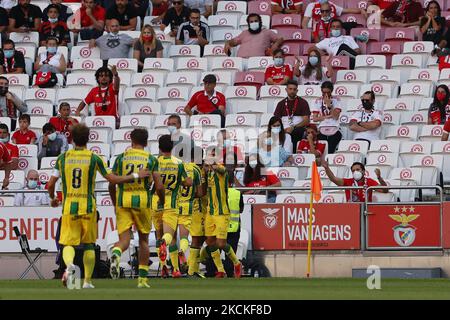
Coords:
373,34
358,18
261,7
249,78
399,34
291,49
294,35
286,21
360,4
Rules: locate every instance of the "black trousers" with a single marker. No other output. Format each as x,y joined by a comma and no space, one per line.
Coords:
333,140
296,136
345,50
233,241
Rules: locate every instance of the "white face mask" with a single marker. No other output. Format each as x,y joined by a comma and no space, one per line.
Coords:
52,136
253,163
227,143
278,61
4,140
32,184
357,175
172,129
254,26
276,130
53,20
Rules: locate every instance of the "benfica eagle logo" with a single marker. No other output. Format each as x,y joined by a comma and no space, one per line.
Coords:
404,233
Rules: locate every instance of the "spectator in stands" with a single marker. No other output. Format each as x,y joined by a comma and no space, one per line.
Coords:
147,46
287,6
257,176
255,41
63,11
12,148
92,20
276,130
280,72
51,60
25,17
193,32
63,122
24,135
311,143
294,112
175,16
53,27
105,95
10,103
141,7
182,143
204,6
439,110
367,123
4,23
125,13
446,131
208,101
381,4
5,164
403,13
12,61
114,44
32,199
51,143
358,180
313,73
272,153
339,44
231,154
322,27
159,9
326,112
313,13
432,25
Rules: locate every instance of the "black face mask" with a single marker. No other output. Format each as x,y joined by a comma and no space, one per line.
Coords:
3,91
367,105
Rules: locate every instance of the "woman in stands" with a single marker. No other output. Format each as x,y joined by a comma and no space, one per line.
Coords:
256,175
272,153
51,60
276,130
148,46
311,144
313,73
439,110
432,25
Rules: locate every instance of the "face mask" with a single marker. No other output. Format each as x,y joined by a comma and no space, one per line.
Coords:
367,105
53,20
253,163
114,34
147,38
4,140
254,26
269,141
357,175
8,54
278,61
335,33
52,136
3,91
227,143
172,129
313,60
441,96
52,50
32,184
276,130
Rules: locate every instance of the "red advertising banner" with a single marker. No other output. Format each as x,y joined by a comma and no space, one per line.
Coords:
285,226
404,226
446,225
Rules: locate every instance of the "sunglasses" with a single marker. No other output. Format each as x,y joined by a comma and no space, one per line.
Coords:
325,11
176,3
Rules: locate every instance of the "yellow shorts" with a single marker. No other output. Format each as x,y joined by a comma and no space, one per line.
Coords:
141,218
197,224
186,221
170,218
157,219
76,230
217,226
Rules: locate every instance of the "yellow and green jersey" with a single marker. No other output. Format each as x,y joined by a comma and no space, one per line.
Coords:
134,194
187,200
78,169
218,191
172,172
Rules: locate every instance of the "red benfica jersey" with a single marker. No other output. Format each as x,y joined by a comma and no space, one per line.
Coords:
278,73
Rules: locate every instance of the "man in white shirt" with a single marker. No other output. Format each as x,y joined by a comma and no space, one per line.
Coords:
339,44
32,199
367,123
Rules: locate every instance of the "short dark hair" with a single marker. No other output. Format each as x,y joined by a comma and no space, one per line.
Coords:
4,127
293,82
53,6
371,93
277,51
359,164
64,104
165,143
327,85
194,11
4,78
336,20
139,136
25,117
210,78
48,127
103,70
175,116
253,15
9,41
80,134
53,38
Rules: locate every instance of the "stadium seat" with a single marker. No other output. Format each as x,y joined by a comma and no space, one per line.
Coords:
272,94
292,198
309,91
161,122
44,175
249,78
221,36
121,135
414,118
40,94
222,77
382,90
337,62
289,21
431,166
351,77
192,64
140,93
345,92
259,63
180,51
27,38
444,77
408,150
174,107
40,108
374,35
402,133
236,8
100,135
385,162
240,121
86,65
81,79
144,108
182,80
222,22
73,96
352,17
294,35
399,34
100,149
332,198
399,105
158,66
205,120
84,52
406,63
28,150
36,123
385,75
291,48
261,7
356,147
251,107
16,179
302,184
167,94
384,146
147,79
340,163
322,174
26,164
134,121
212,51
21,80
101,122
48,162
370,62
431,133
227,64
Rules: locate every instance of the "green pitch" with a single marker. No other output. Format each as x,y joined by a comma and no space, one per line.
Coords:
233,289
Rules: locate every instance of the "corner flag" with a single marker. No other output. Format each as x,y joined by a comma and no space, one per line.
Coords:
316,193
316,183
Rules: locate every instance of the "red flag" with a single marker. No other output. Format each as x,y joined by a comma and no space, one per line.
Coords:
316,183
